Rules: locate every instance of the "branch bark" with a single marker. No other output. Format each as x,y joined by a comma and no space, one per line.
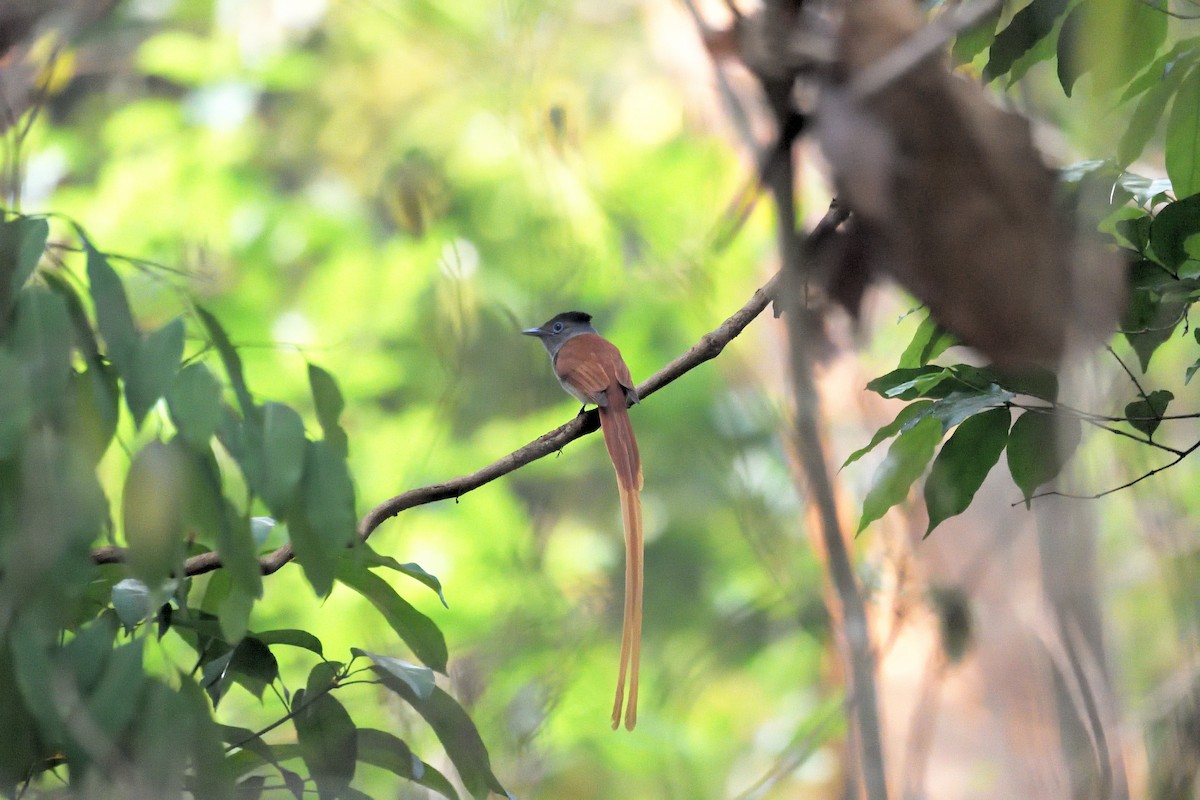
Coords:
708,347
858,652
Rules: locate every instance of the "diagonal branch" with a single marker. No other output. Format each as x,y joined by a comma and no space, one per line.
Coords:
707,348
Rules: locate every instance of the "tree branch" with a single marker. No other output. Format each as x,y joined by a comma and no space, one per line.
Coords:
858,650
794,253
1182,455
708,347
1097,421
1141,392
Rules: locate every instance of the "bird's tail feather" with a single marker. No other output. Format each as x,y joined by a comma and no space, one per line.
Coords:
622,447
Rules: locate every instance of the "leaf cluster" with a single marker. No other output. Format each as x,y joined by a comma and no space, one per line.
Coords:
87,394
1152,223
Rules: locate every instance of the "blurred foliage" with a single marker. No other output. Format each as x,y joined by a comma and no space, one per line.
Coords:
391,191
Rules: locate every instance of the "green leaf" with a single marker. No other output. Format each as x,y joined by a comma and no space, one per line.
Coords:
154,368
231,360
370,558
908,383
323,676
1033,381
1191,371
108,701
419,679
242,439
112,312
963,463
251,788
1145,191
1143,122
283,451
1038,446
1183,137
385,750
208,512
22,240
212,778
93,409
158,743
417,630
153,511
293,638
974,40
1072,64
457,734
246,739
249,743
1136,230
329,496
1170,229
1146,414
194,401
907,417
322,524
320,567
1112,39
29,647
42,340
905,461
328,741
21,746
929,341
957,406
1178,58
88,653
329,404
85,338
1029,26
16,404
233,613
250,662
1149,321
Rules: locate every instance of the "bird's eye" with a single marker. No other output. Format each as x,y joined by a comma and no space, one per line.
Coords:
557,327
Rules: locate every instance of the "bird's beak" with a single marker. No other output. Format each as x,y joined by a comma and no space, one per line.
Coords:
534,332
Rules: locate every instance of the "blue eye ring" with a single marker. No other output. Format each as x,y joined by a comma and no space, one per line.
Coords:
558,326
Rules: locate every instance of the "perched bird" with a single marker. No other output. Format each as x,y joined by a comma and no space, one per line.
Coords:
592,371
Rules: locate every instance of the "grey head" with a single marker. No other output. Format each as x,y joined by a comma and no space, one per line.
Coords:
561,327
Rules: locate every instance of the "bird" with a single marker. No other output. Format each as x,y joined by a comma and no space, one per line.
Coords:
590,369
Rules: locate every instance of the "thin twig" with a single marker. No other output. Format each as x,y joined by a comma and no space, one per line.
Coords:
796,753
1183,454
1164,10
1098,421
1129,372
708,347
292,712
1078,412
856,636
811,450
1134,437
